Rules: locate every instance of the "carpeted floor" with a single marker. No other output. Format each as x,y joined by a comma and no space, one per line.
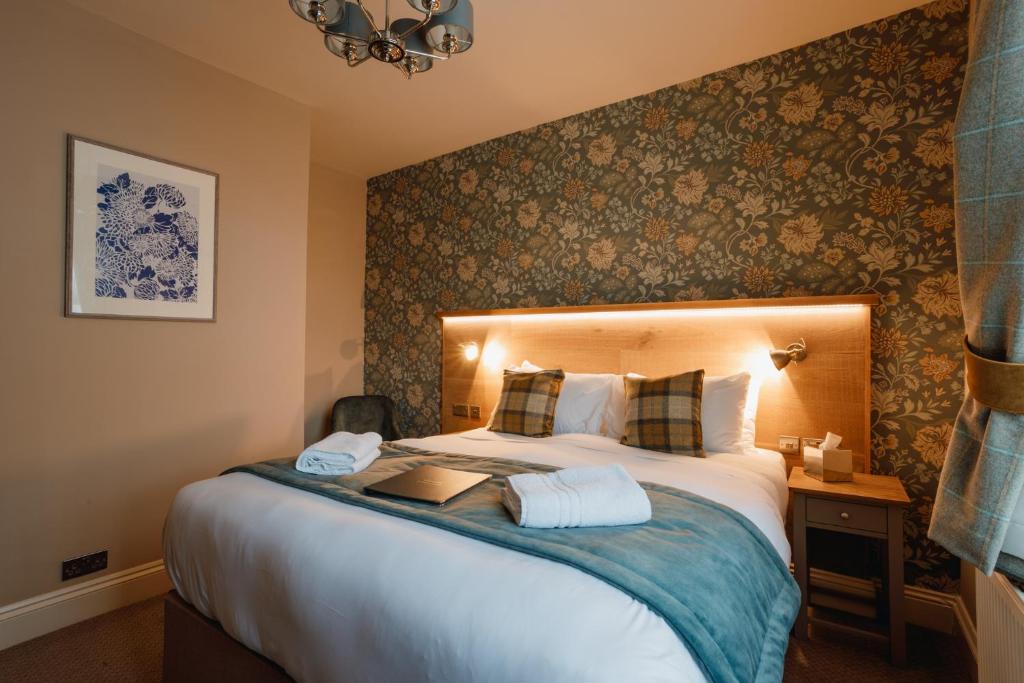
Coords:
127,645
833,658
124,645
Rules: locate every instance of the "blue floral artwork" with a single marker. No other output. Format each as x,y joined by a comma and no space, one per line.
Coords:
147,238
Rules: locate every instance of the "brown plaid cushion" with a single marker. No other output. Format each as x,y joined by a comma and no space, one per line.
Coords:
527,403
664,414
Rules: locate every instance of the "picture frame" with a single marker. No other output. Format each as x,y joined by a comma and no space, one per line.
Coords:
141,236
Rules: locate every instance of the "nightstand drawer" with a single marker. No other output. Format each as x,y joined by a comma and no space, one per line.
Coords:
852,515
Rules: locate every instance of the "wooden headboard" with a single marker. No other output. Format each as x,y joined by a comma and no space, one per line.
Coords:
828,391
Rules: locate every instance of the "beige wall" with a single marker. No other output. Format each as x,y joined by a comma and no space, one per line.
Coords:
101,421
334,290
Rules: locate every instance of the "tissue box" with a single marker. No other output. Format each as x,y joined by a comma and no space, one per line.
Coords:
828,465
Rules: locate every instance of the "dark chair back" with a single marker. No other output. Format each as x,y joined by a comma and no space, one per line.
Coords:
360,414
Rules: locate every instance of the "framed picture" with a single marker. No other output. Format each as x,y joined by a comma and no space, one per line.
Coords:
141,236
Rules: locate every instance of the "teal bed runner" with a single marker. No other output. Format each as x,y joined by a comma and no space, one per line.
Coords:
703,567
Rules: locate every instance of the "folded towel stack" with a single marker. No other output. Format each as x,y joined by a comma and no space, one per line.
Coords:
340,453
576,497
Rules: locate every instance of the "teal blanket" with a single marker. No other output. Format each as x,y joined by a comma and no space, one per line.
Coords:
704,568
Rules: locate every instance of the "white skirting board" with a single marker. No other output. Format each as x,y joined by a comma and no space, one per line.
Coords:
39,615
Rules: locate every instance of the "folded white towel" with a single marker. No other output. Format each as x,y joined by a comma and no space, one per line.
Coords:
340,453
576,497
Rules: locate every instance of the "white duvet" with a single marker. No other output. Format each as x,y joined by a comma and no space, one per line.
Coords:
333,592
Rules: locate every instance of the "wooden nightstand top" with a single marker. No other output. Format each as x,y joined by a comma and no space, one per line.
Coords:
865,488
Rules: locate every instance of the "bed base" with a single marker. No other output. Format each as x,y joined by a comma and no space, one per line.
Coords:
198,650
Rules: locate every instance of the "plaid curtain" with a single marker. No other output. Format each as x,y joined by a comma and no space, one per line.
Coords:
983,474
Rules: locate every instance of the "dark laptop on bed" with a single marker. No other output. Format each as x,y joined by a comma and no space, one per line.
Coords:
428,483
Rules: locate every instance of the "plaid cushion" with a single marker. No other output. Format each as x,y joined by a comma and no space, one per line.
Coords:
664,414
527,403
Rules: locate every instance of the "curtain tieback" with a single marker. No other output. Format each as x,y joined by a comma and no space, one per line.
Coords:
996,384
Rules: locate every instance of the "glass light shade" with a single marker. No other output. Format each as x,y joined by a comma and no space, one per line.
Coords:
417,52
348,49
451,32
420,62
414,41
352,25
331,11
439,6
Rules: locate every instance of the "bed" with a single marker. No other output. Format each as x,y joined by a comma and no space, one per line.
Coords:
411,602
329,591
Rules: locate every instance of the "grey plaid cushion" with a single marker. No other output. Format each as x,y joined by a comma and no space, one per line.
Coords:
664,414
527,403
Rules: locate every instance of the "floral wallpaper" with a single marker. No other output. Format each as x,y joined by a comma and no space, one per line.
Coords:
826,169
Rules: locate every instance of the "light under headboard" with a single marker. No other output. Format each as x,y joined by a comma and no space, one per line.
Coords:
828,391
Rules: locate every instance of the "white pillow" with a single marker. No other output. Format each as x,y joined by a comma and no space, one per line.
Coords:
615,411
750,415
723,412
581,403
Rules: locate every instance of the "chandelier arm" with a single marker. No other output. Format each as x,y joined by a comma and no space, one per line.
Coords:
434,55
369,17
361,41
398,65
417,27
358,61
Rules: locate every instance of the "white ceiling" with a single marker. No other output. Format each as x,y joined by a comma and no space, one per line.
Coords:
534,61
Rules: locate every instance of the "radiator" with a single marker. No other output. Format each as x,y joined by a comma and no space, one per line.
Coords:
1000,630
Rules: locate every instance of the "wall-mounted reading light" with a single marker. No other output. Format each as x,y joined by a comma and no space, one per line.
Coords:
492,355
796,351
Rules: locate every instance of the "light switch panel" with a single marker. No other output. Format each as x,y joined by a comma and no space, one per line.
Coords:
474,412
460,410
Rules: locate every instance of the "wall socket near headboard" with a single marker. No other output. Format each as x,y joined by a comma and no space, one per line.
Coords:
827,391
466,410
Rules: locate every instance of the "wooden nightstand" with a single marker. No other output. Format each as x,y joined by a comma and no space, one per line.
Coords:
871,505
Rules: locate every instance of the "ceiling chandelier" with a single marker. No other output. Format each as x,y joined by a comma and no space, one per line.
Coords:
411,45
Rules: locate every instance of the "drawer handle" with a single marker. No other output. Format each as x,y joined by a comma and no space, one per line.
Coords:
844,515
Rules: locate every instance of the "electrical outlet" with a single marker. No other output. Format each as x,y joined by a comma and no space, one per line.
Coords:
80,566
474,412
789,444
460,410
